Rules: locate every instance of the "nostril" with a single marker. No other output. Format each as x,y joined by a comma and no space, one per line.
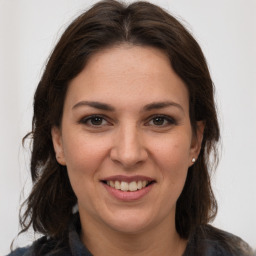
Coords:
128,151
128,160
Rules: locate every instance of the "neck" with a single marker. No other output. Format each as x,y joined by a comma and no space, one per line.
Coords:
162,240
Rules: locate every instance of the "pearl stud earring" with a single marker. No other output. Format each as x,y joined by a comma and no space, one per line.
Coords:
193,160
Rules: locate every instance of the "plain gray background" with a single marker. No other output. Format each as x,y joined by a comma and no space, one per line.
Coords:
226,31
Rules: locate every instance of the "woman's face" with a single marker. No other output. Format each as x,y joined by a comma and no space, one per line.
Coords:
126,139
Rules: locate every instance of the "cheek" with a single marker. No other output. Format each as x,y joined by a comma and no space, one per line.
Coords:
172,157
174,150
83,157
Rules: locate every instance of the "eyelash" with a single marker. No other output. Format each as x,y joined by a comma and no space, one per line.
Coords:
167,119
90,118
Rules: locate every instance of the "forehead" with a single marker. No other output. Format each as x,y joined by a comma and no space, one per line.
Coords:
126,59
134,74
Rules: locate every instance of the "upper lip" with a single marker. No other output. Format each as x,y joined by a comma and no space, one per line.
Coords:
127,178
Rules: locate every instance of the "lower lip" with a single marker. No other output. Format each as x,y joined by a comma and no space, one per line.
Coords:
128,195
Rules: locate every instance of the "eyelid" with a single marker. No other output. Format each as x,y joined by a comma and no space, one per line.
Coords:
85,120
169,119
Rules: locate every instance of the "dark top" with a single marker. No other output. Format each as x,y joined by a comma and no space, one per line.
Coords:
205,241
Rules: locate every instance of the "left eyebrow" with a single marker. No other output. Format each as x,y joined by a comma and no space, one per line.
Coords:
159,105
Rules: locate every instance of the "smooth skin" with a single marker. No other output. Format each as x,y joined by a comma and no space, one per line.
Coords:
127,113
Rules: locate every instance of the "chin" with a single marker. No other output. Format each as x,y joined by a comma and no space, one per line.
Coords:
130,222
129,228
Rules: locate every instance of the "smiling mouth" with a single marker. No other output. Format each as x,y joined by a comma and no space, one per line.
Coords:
128,186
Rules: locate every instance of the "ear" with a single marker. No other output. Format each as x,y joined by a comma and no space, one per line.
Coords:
58,145
196,141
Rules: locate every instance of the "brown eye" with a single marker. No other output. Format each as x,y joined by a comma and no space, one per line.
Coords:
96,120
158,120
161,121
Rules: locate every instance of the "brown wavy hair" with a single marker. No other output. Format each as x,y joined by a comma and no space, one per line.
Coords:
48,208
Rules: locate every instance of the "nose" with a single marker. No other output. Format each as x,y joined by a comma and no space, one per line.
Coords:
128,147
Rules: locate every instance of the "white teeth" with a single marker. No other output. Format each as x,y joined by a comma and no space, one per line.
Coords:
125,186
112,184
133,186
117,184
139,185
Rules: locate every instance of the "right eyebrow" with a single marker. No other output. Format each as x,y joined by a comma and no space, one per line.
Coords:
94,104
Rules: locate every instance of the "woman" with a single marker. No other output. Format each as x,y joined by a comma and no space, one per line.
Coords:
124,125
